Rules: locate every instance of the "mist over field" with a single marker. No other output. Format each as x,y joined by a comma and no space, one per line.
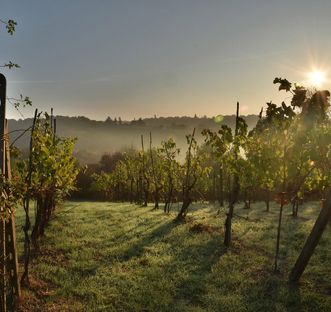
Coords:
94,138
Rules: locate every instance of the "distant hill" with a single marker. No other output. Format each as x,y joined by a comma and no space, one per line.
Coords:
98,137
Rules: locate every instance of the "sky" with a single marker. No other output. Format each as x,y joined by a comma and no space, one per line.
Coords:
140,58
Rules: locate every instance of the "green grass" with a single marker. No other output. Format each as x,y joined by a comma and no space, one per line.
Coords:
120,257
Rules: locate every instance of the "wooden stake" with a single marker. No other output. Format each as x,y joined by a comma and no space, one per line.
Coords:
10,290
3,283
312,240
26,204
11,251
234,192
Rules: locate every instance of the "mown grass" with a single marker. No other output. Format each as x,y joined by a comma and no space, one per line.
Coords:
120,257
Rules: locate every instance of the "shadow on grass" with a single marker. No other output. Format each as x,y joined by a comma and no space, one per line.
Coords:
158,233
190,266
197,261
273,293
123,215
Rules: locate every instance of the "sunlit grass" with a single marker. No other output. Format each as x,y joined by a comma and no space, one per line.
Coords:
120,257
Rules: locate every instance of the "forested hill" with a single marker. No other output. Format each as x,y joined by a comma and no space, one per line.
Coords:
98,137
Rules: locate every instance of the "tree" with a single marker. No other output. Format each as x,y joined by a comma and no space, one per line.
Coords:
144,177
220,144
156,172
239,138
169,152
132,163
50,173
191,172
102,183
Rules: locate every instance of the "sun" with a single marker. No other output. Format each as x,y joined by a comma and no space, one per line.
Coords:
316,78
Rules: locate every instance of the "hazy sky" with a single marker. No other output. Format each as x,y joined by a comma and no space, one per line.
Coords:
137,58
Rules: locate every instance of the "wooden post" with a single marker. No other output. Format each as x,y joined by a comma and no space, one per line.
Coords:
3,285
10,290
186,185
312,240
11,251
282,202
144,175
156,194
51,118
221,190
26,205
233,193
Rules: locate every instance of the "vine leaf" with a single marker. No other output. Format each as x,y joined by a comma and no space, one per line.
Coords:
284,84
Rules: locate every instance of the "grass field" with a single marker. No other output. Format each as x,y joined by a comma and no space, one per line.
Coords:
120,257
